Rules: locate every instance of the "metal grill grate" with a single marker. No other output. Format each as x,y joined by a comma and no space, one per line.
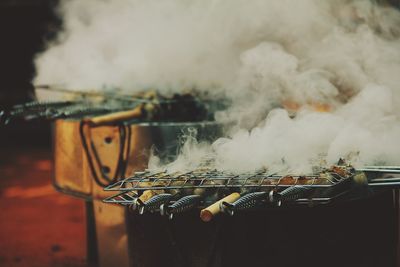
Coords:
153,191
128,198
124,198
213,179
212,185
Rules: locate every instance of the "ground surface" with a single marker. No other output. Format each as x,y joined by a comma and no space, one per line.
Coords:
38,226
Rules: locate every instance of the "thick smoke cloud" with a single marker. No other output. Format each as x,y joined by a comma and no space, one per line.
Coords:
342,55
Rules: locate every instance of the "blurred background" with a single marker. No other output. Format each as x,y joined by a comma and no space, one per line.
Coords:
31,209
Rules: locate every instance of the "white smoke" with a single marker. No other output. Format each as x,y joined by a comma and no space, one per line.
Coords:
366,126
344,54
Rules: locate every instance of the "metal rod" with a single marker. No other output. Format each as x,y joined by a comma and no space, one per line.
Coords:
387,184
378,180
381,167
381,170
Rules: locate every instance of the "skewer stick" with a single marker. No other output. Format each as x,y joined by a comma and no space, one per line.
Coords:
208,213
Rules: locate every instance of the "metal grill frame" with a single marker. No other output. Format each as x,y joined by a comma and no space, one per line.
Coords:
126,198
123,198
213,179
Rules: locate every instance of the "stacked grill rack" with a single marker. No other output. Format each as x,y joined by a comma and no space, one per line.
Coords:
52,110
152,105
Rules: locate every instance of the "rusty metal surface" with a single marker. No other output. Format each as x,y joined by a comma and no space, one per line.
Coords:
73,176
69,160
72,172
111,229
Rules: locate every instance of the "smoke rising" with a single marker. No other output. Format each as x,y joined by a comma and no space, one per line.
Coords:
341,55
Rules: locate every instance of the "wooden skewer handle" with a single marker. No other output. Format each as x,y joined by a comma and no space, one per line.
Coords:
208,213
147,194
115,117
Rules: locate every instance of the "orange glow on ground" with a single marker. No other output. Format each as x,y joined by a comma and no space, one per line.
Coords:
39,227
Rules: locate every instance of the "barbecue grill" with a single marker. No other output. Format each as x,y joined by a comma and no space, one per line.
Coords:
269,201
285,212
152,218
100,137
257,189
347,221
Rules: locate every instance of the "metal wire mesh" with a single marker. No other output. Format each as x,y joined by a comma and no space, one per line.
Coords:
209,179
124,198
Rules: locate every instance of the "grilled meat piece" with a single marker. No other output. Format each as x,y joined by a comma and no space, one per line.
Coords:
287,180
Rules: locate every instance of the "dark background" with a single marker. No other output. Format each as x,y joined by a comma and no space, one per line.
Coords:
25,27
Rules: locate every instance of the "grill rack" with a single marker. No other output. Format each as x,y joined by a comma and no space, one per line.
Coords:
207,179
128,198
123,198
213,179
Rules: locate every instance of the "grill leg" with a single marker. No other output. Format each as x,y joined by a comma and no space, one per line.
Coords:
112,240
91,239
396,206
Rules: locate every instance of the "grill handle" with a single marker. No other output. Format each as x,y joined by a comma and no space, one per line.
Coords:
245,202
183,204
208,213
135,113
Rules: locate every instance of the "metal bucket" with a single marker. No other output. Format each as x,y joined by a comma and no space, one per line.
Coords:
72,175
107,224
